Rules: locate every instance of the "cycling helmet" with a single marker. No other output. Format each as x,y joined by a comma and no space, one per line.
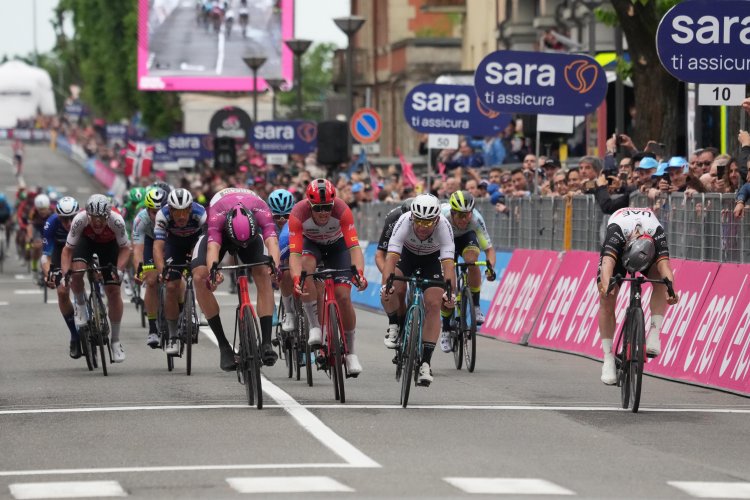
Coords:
155,198
41,201
639,254
240,226
67,207
425,206
50,189
461,201
406,205
320,192
2,196
281,202
135,195
53,196
180,199
98,205
163,186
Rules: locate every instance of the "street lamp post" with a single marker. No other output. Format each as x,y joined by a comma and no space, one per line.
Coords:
298,47
275,84
255,62
349,25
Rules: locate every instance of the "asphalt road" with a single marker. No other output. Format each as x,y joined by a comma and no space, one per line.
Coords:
531,422
182,47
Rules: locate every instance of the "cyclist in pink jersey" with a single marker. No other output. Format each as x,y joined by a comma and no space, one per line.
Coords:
239,222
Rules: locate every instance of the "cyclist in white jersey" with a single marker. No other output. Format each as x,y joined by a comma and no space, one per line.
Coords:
636,238
470,236
422,239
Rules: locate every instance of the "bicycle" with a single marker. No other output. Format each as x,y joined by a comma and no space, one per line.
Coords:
631,344
464,324
331,357
136,299
294,344
187,321
96,332
409,345
246,323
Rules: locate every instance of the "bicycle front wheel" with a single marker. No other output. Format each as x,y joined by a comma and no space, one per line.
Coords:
638,352
336,353
86,350
623,371
250,358
409,354
190,331
97,332
469,329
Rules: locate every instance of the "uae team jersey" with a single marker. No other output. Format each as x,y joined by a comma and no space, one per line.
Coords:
441,239
227,199
339,225
114,230
625,222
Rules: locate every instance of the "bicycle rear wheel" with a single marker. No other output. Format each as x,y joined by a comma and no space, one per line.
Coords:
623,372
458,339
190,323
469,329
84,340
250,358
302,335
409,354
336,353
637,350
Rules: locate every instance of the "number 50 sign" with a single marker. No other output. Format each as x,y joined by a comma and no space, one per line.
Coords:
720,94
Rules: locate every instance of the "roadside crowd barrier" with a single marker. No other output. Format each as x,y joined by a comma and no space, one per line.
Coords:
109,179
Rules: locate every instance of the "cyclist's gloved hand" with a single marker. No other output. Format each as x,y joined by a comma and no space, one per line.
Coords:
449,302
360,280
297,286
120,275
490,273
385,292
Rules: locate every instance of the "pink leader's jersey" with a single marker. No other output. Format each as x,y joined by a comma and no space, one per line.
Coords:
225,200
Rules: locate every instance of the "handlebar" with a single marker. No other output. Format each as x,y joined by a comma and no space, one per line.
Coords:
329,274
169,267
617,279
420,282
216,267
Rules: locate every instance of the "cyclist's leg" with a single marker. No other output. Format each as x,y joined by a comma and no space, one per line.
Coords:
108,253
310,257
265,301
174,254
470,253
65,305
82,254
150,283
36,248
658,309
607,324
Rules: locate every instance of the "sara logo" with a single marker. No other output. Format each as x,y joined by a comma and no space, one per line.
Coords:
581,75
486,111
307,131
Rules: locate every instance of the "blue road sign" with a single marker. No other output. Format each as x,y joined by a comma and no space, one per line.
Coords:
540,83
366,125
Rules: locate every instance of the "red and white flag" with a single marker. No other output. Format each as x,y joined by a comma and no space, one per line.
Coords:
407,170
138,160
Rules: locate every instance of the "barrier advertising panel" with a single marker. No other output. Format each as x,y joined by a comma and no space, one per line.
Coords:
520,294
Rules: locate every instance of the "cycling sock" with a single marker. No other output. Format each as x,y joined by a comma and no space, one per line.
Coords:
607,346
152,325
427,348
70,321
34,266
114,331
266,325
349,335
288,305
172,328
215,325
446,323
80,298
393,319
475,295
656,322
311,311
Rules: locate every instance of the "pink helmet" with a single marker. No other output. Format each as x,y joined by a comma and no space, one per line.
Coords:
240,226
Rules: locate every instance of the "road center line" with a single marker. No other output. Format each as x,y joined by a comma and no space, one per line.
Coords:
170,468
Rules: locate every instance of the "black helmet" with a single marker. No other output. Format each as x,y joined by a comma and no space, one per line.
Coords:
639,254
406,205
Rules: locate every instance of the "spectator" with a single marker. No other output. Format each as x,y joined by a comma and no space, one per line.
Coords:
451,186
482,189
573,181
559,184
472,187
529,163
493,151
590,167
678,169
706,158
466,158
520,184
646,171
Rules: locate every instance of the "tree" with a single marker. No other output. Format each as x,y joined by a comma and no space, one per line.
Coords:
655,90
316,81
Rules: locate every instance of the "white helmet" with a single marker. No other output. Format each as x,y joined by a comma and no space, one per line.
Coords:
180,199
67,207
98,205
41,201
425,206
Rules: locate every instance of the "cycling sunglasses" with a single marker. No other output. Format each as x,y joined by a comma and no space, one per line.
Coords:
461,215
280,217
328,207
424,222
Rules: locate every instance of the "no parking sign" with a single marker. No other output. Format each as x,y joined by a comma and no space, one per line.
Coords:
366,125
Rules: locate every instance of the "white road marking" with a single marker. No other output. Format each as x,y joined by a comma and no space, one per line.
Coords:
506,486
28,292
707,489
67,489
22,276
220,51
3,303
286,484
312,424
172,468
61,189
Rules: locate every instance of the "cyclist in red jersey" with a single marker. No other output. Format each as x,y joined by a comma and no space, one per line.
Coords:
321,229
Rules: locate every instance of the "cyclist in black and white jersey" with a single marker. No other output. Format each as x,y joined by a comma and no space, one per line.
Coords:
422,240
634,238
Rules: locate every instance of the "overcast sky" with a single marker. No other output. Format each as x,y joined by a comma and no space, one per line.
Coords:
313,21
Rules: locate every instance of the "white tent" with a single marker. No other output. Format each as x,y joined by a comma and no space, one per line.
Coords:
24,91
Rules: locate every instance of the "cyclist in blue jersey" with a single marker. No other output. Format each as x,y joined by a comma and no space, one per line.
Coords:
54,236
178,226
470,236
143,237
281,203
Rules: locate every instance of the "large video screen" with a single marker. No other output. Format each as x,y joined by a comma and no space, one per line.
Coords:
196,45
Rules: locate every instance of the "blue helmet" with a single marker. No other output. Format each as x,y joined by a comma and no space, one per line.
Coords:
281,202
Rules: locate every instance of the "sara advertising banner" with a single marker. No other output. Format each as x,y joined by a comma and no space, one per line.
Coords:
286,137
706,41
451,109
540,83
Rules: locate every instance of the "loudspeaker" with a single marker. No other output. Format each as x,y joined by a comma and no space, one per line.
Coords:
332,139
225,155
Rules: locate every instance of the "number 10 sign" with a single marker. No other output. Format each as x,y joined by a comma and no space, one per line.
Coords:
718,94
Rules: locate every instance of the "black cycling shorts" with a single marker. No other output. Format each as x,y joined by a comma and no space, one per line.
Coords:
333,256
429,265
107,252
464,241
253,253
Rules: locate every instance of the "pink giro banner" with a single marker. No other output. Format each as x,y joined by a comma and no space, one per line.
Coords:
104,174
720,350
520,295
